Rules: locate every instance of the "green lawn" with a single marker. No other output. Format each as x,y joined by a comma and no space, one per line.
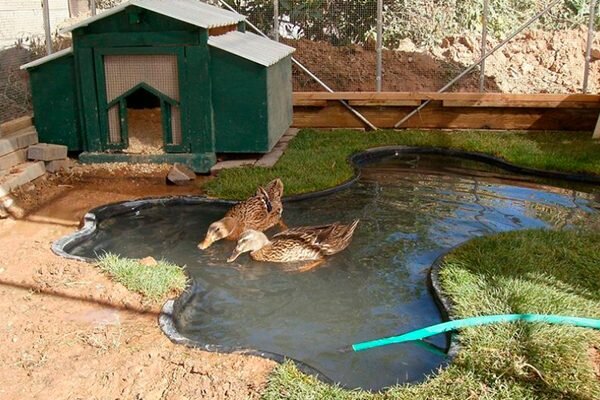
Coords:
317,160
545,272
153,282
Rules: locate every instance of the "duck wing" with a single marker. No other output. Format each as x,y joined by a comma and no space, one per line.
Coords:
252,212
336,238
287,250
309,234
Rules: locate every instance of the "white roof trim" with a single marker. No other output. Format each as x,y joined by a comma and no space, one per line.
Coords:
50,57
193,12
252,47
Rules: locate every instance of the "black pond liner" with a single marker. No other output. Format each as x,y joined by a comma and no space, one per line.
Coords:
166,322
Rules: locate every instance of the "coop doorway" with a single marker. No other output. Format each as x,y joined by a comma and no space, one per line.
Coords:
144,123
142,104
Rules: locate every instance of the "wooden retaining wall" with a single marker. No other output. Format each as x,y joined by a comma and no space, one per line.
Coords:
569,112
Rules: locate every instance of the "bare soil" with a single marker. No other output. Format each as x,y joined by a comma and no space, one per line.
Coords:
536,61
69,332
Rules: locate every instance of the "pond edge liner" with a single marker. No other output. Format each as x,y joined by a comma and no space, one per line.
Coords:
90,220
444,303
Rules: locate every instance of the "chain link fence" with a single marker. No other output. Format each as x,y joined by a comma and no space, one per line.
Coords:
424,43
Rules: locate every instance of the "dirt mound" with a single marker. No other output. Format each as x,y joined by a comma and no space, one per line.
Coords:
534,62
352,68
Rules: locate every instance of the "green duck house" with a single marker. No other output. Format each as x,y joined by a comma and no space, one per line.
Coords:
163,81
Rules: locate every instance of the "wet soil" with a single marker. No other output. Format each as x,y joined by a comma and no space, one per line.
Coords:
68,332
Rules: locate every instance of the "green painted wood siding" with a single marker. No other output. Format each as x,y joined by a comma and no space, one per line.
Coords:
279,99
55,106
239,97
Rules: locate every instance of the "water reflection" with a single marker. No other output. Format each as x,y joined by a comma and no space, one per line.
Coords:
412,209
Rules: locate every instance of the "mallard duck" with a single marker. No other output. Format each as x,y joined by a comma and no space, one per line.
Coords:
310,243
260,212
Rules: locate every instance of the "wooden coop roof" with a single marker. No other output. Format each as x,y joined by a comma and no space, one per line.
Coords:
192,12
50,57
252,47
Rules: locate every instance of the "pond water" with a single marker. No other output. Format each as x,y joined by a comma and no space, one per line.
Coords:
413,208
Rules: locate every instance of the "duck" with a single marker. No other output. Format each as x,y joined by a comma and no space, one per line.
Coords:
259,212
309,243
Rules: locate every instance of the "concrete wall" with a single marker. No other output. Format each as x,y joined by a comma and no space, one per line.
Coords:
22,18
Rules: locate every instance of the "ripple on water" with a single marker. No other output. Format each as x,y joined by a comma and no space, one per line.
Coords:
413,208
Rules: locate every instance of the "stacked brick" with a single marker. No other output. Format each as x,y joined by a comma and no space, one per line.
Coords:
23,159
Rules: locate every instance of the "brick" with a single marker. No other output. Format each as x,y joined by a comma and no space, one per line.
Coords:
180,174
47,152
269,159
15,125
12,159
232,164
21,175
18,140
58,165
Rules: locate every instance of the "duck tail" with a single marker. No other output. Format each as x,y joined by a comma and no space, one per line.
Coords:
275,188
350,230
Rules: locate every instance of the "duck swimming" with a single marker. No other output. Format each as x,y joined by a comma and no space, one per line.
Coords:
310,243
259,212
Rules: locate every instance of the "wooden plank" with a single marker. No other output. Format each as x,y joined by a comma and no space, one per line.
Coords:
399,96
520,104
221,30
385,103
15,125
309,103
596,134
439,117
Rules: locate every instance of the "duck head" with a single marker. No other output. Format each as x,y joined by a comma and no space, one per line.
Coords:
216,231
250,240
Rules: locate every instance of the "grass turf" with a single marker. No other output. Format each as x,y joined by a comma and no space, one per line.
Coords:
317,160
154,282
545,272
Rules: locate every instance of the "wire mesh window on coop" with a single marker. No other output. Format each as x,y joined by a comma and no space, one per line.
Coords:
424,44
142,96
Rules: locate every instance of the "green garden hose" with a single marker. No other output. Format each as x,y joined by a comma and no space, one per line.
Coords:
476,321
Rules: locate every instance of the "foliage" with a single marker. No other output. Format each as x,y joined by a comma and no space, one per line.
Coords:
425,22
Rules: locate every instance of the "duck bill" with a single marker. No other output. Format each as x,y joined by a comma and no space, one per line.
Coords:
234,256
205,244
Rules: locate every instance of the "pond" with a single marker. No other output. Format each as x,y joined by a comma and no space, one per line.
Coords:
413,208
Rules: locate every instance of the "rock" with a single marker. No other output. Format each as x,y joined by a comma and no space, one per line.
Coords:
21,175
47,152
149,261
11,159
595,54
18,140
180,174
468,42
407,46
447,42
58,165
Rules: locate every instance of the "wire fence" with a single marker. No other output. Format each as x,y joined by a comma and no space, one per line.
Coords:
423,45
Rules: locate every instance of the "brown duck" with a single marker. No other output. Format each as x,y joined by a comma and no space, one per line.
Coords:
311,243
260,212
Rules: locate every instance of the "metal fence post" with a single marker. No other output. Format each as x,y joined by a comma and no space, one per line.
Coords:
482,58
276,20
48,34
378,68
484,20
588,50
93,7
